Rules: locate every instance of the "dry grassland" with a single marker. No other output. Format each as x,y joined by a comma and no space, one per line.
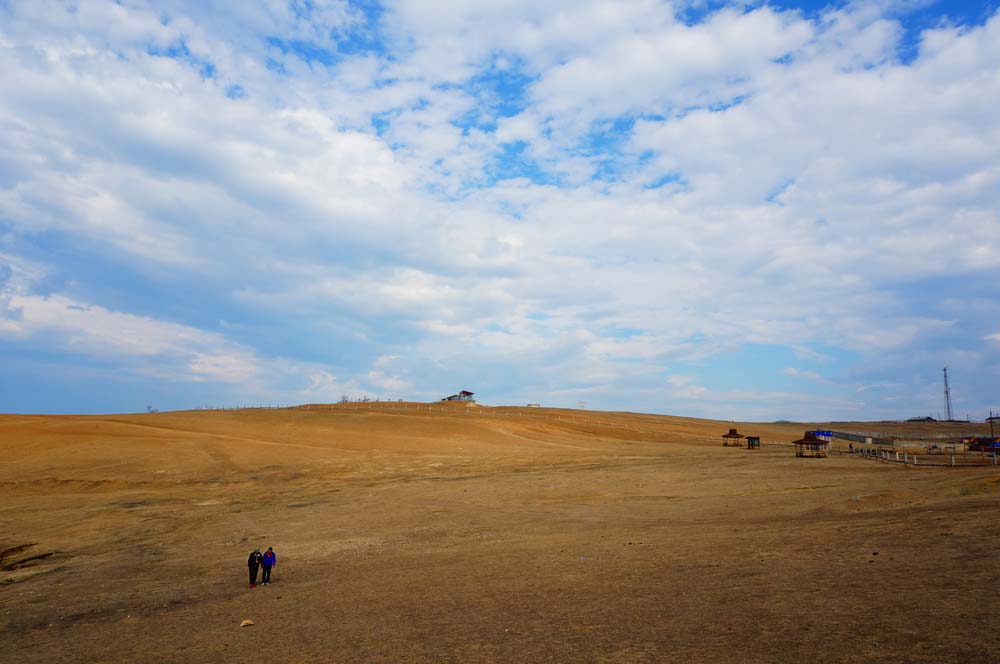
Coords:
415,536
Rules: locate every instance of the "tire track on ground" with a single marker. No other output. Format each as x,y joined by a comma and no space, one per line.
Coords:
259,441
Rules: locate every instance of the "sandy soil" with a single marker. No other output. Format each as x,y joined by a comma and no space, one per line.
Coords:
502,535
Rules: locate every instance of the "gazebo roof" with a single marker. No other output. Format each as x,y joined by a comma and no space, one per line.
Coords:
733,434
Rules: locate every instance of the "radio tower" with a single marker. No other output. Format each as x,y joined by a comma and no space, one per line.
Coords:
947,396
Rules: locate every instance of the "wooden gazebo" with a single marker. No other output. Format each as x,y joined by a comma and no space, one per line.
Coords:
811,446
753,442
732,439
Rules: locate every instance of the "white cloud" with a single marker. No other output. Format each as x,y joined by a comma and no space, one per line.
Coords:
164,351
805,373
95,330
382,378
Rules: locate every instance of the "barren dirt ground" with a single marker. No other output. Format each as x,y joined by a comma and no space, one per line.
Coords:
416,536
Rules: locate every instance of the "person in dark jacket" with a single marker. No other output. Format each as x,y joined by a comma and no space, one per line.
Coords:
269,560
253,562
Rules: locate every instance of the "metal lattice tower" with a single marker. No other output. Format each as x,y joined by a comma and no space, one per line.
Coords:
947,396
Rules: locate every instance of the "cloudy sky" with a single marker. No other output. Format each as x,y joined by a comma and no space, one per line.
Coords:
753,209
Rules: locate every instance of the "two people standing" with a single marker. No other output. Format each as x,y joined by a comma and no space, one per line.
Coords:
259,560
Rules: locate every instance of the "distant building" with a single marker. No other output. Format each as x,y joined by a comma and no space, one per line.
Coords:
921,419
732,439
464,395
534,405
811,446
982,443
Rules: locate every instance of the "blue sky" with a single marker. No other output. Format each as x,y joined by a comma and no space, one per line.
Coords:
757,210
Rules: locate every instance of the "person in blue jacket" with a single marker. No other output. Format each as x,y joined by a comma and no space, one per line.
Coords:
268,560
